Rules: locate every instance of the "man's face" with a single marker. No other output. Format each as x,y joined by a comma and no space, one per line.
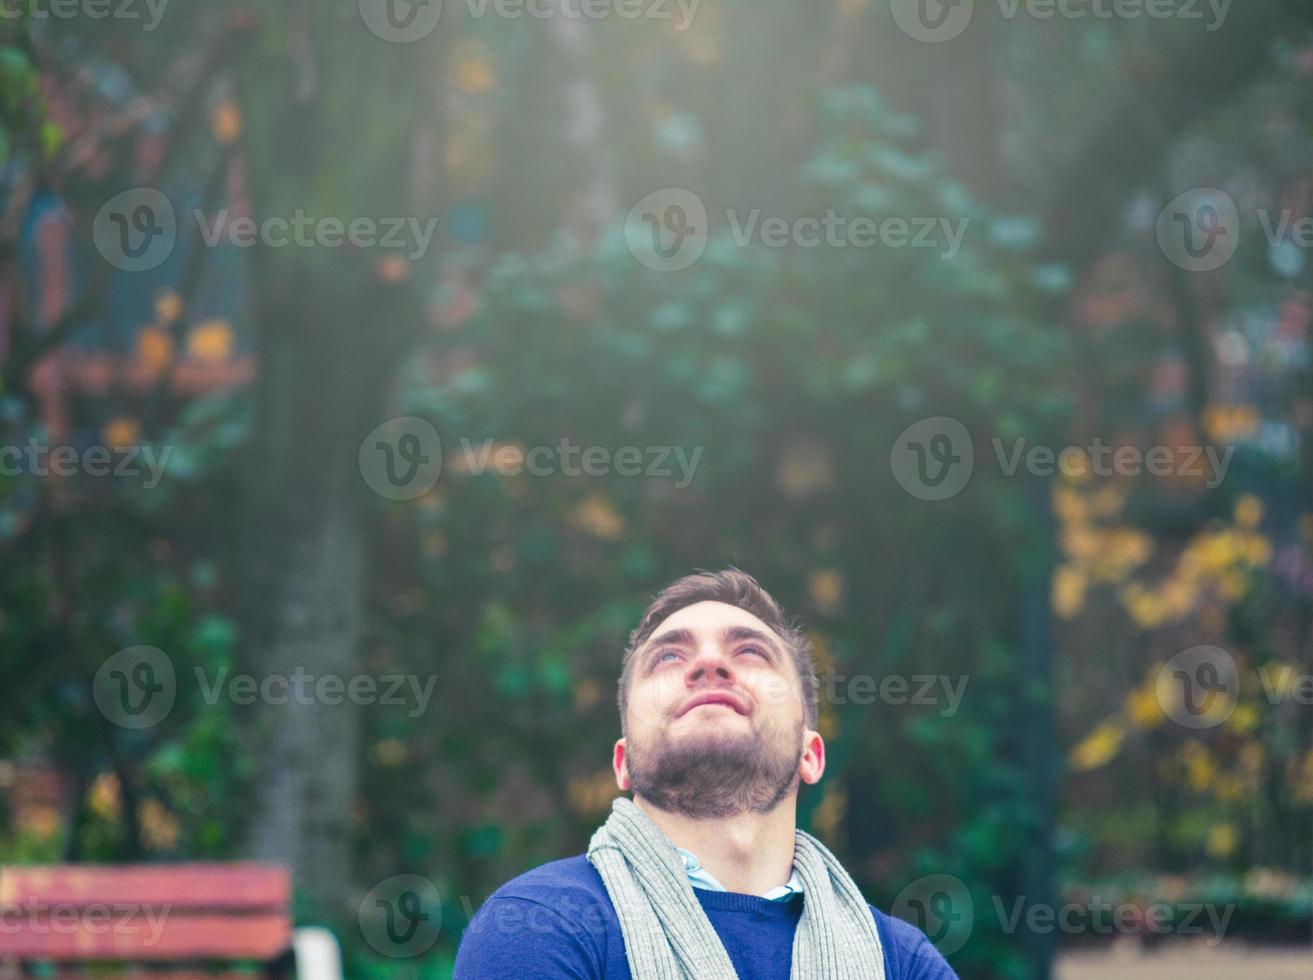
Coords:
715,717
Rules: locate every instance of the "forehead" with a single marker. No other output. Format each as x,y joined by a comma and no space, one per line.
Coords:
708,617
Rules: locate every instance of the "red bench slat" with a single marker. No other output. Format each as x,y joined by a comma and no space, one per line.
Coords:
162,936
197,886
152,973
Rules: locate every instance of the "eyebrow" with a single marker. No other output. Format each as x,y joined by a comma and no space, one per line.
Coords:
729,634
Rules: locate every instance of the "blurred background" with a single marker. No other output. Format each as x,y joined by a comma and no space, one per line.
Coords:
365,367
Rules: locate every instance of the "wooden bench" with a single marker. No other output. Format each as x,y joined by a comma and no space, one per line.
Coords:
181,921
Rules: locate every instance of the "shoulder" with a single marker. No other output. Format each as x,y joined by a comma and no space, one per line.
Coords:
556,916
571,887
909,953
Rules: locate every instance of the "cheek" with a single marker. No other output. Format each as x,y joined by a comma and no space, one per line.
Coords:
777,695
652,699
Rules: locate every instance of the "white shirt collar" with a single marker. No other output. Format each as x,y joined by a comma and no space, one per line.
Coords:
700,877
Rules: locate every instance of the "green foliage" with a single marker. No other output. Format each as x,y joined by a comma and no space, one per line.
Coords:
792,371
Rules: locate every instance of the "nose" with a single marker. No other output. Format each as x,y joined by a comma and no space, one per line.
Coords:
709,667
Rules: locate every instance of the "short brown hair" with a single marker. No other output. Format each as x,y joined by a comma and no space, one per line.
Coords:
734,588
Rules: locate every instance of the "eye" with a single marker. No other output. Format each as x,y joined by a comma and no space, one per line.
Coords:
660,658
754,650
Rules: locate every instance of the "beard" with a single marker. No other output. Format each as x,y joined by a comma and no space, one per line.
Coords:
713,775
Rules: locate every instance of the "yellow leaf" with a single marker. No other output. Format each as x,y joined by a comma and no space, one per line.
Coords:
472,68
168,307
103,798
597,517
154,349
211,341
1248,511
1222,840
1200,770
122,432
226,121
389,752
1099,747
826,588
1243,719
1143,708
1068,591
159,827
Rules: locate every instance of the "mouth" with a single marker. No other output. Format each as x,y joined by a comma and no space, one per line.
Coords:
713,698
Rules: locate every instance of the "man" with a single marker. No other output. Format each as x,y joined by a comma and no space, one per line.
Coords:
703,875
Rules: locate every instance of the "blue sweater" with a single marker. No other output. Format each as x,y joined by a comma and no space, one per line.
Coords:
557,921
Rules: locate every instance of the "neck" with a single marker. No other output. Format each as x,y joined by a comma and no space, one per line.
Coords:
749,853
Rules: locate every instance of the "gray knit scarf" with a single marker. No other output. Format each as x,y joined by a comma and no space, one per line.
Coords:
669,937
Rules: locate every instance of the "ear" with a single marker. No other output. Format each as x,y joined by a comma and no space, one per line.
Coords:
620,765
812,764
